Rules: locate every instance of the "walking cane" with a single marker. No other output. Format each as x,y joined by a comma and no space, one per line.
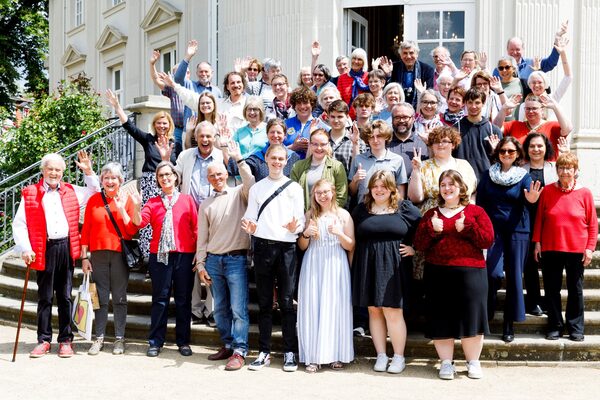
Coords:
21,313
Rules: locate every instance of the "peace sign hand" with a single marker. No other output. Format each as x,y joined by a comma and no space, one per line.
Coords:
416,160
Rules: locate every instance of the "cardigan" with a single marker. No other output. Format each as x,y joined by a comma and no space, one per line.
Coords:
334,172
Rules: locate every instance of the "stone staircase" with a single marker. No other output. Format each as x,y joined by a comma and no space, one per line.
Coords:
529,344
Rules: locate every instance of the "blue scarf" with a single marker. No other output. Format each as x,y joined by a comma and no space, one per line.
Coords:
508,178
358,83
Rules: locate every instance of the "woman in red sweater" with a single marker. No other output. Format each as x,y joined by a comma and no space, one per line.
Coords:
453,236
356,81
565,234
105,261
174,220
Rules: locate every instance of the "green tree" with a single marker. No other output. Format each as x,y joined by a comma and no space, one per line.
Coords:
24,44
54,121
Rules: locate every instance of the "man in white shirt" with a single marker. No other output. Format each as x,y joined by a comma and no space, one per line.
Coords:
46,234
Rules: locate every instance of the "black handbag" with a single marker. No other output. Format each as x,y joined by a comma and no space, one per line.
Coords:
130,249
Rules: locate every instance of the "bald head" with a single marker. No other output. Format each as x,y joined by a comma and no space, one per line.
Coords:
514,48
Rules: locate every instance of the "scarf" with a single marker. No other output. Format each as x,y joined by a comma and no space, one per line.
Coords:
282,109
508,178
423,121
358,83
451,118
166,243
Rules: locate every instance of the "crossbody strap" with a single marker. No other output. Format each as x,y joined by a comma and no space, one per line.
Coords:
111,216
275,194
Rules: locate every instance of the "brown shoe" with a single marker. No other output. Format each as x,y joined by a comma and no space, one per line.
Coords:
222,354
236,361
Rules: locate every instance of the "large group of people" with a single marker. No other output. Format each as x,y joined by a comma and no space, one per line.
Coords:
367,198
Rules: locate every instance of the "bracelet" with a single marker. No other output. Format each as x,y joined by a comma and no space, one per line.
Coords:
240,161
304,236
499,93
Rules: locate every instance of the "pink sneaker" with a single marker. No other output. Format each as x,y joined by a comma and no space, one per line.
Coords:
40,350
65,349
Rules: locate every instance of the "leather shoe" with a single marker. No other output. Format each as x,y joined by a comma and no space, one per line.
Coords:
553,335
576,337
185,350
508,333
153,351
197,320
222,354
536,310
235,362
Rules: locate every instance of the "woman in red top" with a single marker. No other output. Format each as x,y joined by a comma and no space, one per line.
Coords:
174,219
565,234
453,236
356,81
105,260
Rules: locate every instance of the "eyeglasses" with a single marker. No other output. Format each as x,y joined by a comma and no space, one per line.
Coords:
443,142
504,67
532,109
401,117
278,84
319,145
317,75
565,168
252,109
165,175
482,84
322,192
429,103
507,151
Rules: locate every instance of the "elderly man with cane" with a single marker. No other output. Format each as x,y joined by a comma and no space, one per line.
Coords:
46,234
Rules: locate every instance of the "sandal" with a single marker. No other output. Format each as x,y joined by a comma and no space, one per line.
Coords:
312,368
336,366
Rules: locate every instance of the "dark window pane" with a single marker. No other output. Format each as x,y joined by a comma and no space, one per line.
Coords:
455,48
453,24
428,25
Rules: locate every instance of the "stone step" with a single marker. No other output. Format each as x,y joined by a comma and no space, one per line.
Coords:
526,347
591,299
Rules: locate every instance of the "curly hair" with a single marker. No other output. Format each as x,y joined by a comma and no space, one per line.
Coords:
385,131
303,95
438,133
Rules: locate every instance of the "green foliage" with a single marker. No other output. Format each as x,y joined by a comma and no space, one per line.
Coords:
24,43
54,122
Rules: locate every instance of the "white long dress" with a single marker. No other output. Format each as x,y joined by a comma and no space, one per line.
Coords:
325,301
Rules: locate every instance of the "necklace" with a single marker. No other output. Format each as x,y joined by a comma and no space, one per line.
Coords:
567,189
534,128
453,207
380,210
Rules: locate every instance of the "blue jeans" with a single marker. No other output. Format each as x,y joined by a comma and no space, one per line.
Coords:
229,289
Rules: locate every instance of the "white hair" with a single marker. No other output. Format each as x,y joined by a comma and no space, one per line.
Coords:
53,157
362,54
114,168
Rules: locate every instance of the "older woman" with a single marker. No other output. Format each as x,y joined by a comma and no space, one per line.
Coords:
281,107
383,225
252,136
377,81
538,152
428,109
455,110
453,236
100,237
320,164
565,235
163,127
443,65
469,65
504,192
253,70
356,81
512,85
327,96
321,78
174,215
443,86
305,77
495,96
324,292
377,158
392,94
257,161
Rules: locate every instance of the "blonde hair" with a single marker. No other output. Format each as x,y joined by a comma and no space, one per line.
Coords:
164,114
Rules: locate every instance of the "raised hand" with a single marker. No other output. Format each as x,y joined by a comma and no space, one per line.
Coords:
136,198
292,226
233,149
416,160
483,59
191,123
164,148
314,125
154,57
246,63
560,44
533,194
459,224
495,84
121,200
386,65
513,101
494,140
548,101
420,86
406,250
437,223
112,98
537,63
84,163
563,145
315,49
562,30
166,78
237,65
191,49
248,226
312,229
300,144
360,173
460,75
375,62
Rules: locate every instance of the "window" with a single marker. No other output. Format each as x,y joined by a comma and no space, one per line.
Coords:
357,28
116,82
116,2
79,17
451,26
168,58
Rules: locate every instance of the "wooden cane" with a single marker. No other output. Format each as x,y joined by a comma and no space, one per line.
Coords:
21,313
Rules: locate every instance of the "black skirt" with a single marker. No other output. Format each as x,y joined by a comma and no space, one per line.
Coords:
456,301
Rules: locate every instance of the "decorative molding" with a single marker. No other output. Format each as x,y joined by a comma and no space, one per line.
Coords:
110,37
160,14
72,56
76,30
114,9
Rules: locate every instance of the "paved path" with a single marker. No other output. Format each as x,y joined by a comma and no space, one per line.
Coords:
170,376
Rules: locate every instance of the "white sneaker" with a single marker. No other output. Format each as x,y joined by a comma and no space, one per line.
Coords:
289,362
381,363
397,365
447,370
474,369
96,346
263,360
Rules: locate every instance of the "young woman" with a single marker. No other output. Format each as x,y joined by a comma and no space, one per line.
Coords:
324,297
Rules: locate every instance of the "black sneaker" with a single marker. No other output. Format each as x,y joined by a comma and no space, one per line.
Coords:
263,360
289,362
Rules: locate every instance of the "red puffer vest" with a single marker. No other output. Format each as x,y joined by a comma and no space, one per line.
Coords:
36,221
344,86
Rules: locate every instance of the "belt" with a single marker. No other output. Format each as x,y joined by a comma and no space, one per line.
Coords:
270,242
232,253
57,240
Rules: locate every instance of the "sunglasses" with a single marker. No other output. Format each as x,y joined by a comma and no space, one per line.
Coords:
253,69
507,151
502,68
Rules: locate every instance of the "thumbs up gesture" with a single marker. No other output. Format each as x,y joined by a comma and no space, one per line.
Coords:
360,173
311,229
335,228
460,223
437,223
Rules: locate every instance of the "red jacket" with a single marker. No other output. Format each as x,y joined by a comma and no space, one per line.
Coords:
36,221
344,86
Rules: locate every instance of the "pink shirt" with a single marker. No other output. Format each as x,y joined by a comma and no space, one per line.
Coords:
185,222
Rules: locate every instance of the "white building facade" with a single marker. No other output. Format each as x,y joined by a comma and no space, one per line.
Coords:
111,41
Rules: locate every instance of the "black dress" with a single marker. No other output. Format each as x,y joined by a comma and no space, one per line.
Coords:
378,276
